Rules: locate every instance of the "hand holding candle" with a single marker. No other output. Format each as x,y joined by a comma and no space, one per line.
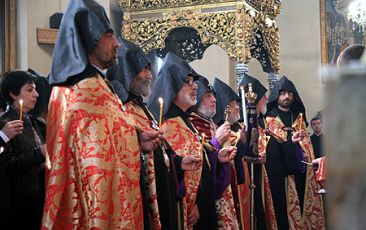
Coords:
20,109
161,111
244,108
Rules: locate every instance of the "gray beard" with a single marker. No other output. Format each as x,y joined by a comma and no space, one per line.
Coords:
141,87
232,119
206,112
188,101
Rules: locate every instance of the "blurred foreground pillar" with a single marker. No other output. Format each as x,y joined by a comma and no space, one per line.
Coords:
345,147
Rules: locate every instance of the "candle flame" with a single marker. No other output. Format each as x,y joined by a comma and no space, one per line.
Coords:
160,100
21,102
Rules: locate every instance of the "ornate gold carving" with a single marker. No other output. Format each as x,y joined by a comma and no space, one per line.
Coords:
271,38
158,4
228,24
272,8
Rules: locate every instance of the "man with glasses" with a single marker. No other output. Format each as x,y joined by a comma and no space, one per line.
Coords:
176,85
293,186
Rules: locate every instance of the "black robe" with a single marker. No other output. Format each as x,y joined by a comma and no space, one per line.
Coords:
22,161
4,188
317,145
250,155
281,161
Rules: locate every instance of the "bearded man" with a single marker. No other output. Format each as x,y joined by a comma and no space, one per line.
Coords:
176,84
217,136
93,144
293,184
160,186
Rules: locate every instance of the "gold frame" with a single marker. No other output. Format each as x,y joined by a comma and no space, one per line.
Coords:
340,36
323,31
226,23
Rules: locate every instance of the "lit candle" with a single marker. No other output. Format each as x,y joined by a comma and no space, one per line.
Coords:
20,109
202,143
161,111
244,108
300,122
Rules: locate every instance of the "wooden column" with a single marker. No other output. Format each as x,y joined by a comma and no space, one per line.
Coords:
10,35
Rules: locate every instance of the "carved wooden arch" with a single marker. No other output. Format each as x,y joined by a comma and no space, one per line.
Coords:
229,24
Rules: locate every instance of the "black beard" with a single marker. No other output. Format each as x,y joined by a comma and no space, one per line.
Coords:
110,63
284,104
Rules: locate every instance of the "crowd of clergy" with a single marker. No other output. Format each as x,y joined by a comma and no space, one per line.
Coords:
101,143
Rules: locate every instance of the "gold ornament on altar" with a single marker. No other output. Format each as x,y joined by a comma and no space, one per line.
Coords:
232,25
251,96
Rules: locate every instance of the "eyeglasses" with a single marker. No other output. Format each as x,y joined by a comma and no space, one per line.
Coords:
190,81
284,92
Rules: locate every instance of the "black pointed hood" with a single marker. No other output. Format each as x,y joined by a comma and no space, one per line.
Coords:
84,22
44,93
224,95
169,81
257,86
132,60
203,87
285,84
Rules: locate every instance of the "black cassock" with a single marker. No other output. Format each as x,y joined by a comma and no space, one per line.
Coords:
282,161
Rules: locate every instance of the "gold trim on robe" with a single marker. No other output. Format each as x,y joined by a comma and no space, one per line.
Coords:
244,198
271,222
225,207
313,214
185,143
144,124
94,179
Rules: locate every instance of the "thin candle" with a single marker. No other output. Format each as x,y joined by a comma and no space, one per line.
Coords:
161,111
244,108
300,122
20,109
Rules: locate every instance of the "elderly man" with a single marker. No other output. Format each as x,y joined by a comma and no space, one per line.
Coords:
176,85
293,186
202,121
93,179
159,182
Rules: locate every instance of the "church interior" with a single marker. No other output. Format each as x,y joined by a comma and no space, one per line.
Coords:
266,39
